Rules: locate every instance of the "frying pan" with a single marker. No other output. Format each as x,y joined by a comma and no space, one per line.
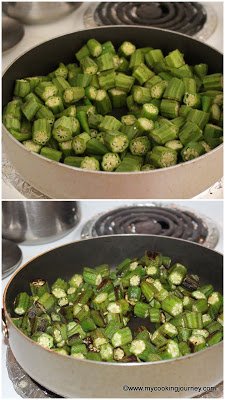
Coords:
62,181
71,377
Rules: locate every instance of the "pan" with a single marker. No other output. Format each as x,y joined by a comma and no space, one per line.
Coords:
69,377
181,181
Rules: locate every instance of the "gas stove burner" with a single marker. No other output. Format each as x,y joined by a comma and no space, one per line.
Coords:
28,388
193,19
154,219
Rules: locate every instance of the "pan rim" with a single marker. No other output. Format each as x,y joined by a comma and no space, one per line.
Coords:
134,173
8,317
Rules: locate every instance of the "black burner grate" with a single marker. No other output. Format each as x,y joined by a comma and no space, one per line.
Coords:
188,18
152,220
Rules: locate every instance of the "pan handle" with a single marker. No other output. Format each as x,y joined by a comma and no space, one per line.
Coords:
4,325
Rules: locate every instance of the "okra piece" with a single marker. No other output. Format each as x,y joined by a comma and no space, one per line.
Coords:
22,88
47,300
214,338
153,56
61,84
82,80
213,81
121,337
88,66
126,49
190,132
94,47
184,348
59,288
38,287
73,94
213,135
110,123
141,310
118,97
201,70
55,104
52,154
44,90
139,146
169,108
45,113
143,125
173,305
200,305
141,94
94,146
62,129
136,58
83,52
176,274
174,90
12,123
31,146
215,301
116,142
41,131
128,120
163,157
191,151
163,134
106,79
193,320
73,161
79,143
43,339
103,103
149,111
158,89
92,277
90,163
148,290
124,82
110,161
105,62
22,303
83,120
20,136
175,59
174,145
30,108
192,100
198,117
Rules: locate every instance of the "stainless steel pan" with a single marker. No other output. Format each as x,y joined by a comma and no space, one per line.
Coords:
61,181
70,377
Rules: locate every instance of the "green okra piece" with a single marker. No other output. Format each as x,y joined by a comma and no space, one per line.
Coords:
41,131
12,123
158,89
20,136
44,90
148,290
121,337
176,274
90,163
83,52
126,49
52,154
174,145
192,150
169,108
213,135
184,348
139,146
163,134
214,338
103,103
31,146
94,146
116,142
173,305
22,303
47,300
13,109
33,81
94,47
153,56
206,102
199,117
61,84
190,132
106,79
201,70
62,129
137,58
73,94
144,125
88,324
110,161
105,62
174,90
79,142
150,111
22,88
88,66
91,92
55,104
141,310
163,157
82,80
182,72
123,65
66,148
83,120
175,59
73,161
61,71
92,277
184,110
128,120
30,109
124,82
141,94
215,113
43,339
118,97
154,315
45,113
134,294
38,287
110,123
213,81
192,100
153,81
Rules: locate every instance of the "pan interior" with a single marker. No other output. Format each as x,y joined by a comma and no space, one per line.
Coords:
72,258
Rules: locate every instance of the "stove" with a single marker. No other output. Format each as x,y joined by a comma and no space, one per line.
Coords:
193,19
155,219
207,26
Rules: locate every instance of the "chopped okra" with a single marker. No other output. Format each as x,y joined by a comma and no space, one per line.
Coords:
169,112
95,314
